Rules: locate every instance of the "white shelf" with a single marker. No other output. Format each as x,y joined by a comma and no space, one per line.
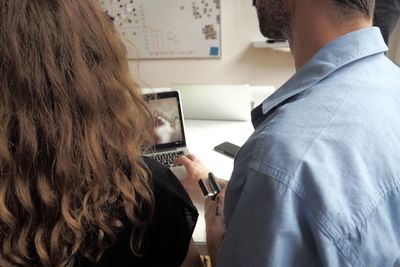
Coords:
281,46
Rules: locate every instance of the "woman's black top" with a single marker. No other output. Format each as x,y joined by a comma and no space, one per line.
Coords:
168,236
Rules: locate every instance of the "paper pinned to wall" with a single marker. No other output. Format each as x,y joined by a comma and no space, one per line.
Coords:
153,29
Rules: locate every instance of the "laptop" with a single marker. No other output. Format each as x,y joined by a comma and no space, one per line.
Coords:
215,101
169,131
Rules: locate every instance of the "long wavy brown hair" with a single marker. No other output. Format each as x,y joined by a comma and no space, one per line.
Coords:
73,126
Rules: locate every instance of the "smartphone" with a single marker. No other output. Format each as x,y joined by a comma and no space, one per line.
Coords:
227,148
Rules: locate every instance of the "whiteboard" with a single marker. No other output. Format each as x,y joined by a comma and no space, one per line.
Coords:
153,29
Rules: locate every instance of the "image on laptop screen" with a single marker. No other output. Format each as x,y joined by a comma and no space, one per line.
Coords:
168,131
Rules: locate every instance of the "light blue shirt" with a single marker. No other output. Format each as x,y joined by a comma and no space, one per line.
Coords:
317,184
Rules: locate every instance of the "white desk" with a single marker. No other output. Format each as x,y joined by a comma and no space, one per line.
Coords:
202,136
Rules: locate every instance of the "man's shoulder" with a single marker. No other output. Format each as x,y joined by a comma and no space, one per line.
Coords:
325,143
282,140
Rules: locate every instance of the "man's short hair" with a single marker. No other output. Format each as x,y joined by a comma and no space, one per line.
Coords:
365,7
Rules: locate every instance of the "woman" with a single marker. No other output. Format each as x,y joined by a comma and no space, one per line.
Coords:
74,188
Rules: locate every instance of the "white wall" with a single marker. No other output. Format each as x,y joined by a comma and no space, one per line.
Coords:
240,62
394,45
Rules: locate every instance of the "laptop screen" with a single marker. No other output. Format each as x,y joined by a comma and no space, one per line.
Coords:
169,129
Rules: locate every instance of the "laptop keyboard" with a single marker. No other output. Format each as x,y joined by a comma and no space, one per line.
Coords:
168,157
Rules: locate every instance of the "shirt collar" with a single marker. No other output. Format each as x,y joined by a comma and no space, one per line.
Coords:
336,54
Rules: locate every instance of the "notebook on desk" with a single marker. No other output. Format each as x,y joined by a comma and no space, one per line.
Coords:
169,131
215,101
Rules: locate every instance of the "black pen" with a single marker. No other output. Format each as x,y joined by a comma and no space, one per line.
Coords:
203,188
213,185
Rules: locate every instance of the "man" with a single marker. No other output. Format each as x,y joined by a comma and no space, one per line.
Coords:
317,183
386,16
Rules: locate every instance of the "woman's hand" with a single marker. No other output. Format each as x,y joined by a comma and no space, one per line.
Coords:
195,171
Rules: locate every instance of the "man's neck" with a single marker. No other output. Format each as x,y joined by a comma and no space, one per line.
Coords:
314,25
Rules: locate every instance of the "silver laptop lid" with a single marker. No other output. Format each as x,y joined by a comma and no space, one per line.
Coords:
215,101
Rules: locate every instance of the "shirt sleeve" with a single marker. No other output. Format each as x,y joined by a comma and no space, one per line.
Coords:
269,226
